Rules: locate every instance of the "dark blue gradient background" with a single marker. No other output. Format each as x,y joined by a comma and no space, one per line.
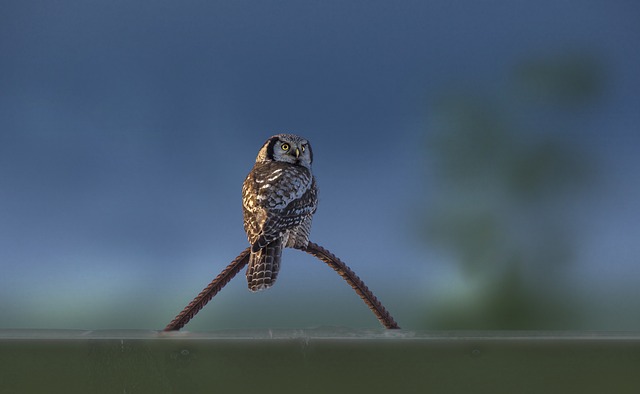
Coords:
127,128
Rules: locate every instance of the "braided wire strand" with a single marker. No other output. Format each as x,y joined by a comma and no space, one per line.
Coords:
355,282
313,249
209,292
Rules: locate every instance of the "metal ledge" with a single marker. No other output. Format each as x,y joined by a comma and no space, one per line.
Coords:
324,360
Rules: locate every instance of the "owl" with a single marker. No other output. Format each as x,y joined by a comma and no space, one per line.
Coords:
279,198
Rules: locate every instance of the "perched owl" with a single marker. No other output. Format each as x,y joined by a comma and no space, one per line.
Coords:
279,198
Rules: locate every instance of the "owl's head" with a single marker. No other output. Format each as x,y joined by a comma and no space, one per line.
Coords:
288,148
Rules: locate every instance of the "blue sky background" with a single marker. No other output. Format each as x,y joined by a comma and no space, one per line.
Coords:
127,128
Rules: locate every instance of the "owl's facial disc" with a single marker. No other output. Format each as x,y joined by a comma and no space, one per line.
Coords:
293,150
286,148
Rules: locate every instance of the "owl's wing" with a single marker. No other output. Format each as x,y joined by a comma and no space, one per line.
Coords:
279,220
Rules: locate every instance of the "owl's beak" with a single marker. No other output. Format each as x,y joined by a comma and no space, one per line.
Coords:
297,153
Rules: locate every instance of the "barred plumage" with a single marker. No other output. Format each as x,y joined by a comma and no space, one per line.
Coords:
279,198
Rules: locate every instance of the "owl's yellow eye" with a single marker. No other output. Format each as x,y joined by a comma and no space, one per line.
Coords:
285,146
303,147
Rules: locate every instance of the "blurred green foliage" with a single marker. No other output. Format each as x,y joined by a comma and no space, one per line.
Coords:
501,190
571,78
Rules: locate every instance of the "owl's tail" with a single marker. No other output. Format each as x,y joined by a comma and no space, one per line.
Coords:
264,266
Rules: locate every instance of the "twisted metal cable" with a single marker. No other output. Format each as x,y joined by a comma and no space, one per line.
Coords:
355,282
209,292
313,249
